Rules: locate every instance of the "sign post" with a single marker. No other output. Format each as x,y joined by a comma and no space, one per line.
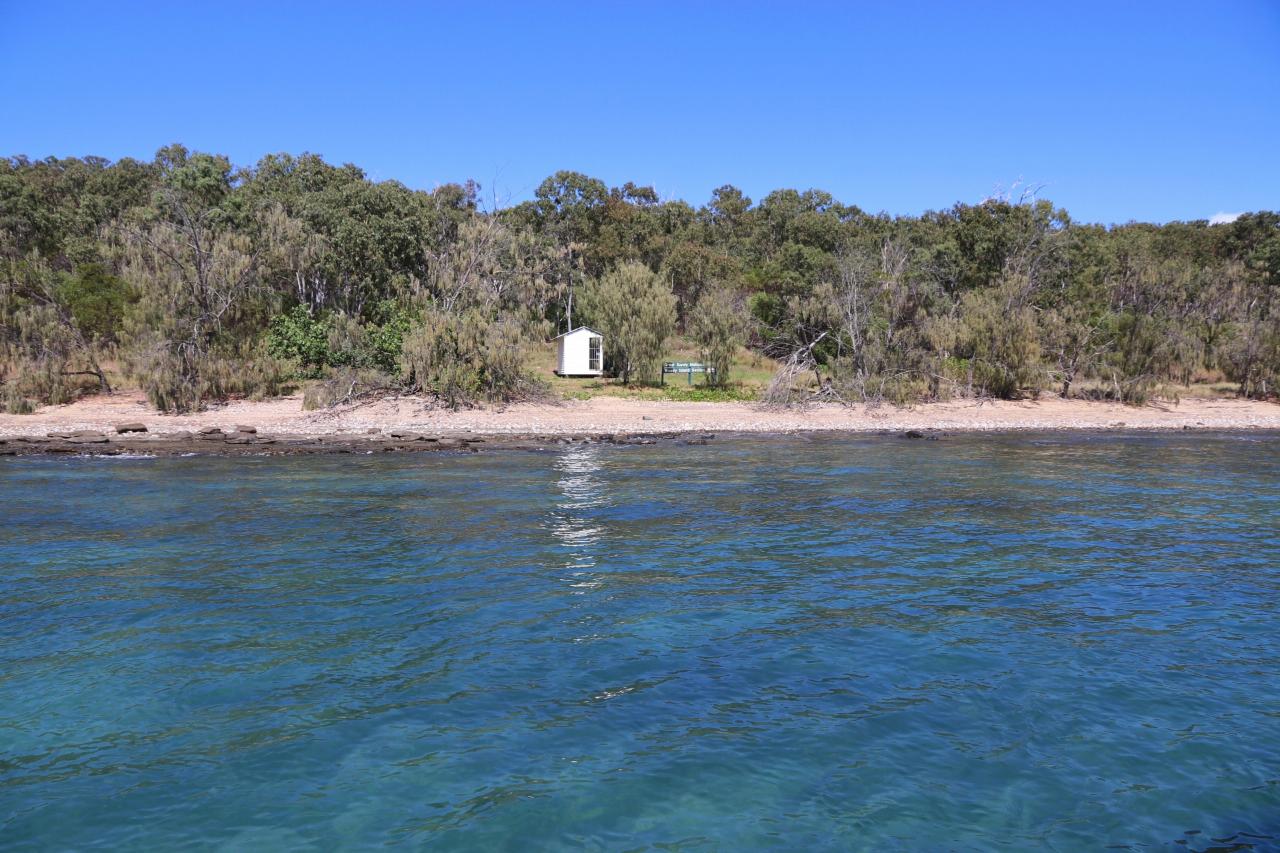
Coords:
688,368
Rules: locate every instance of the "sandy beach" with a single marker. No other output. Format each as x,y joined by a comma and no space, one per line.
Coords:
612,415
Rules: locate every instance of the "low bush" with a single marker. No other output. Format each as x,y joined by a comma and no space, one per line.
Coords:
471,356
334,339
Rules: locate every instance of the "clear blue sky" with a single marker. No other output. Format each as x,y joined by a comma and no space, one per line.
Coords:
1122,110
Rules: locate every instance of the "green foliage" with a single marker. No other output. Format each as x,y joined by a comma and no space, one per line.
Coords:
462,358
723,393
999,341
192,278
384,341
1254,356
636,312
44,355
338,340
691,268
297,336
96,300
675,391
205,280
719,325
1142,356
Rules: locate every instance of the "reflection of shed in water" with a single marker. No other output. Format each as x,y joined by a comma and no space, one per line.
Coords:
581,353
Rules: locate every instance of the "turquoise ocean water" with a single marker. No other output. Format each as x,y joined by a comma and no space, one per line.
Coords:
992,642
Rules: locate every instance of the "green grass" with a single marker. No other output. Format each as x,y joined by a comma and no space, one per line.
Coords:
733,392
748,377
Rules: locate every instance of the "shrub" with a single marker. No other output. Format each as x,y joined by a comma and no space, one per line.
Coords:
301,338
45,357
338,340
96,299
464,357
1000,340
636,312
1254,358
719,325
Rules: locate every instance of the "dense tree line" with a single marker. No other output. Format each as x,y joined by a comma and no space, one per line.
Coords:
198,280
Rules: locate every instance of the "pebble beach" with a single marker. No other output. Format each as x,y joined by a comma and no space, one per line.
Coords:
125,421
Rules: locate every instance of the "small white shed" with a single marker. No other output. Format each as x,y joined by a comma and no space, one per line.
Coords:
581,353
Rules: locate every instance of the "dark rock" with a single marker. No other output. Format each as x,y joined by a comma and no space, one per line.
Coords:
133,426
233,444
209,430
404,435
251,430
914,433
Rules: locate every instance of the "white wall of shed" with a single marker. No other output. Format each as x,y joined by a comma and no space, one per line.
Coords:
574,357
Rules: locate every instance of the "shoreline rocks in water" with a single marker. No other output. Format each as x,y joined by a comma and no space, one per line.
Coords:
214,442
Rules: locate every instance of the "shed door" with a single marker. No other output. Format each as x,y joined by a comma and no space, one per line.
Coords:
593,353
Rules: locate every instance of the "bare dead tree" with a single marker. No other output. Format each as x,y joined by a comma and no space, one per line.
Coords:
782,391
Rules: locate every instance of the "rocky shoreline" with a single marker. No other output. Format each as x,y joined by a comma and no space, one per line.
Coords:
123,423
135,440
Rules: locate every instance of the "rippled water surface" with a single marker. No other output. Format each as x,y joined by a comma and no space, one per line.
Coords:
805,644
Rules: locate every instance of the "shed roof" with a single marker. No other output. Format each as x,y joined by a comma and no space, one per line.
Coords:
575,331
